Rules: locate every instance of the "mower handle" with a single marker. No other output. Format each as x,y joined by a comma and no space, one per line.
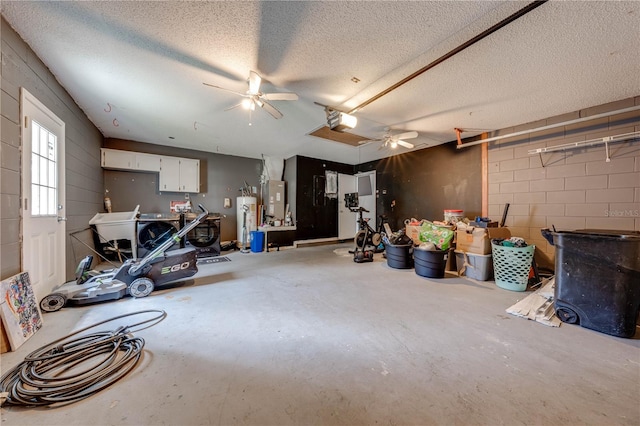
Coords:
137,268
204,213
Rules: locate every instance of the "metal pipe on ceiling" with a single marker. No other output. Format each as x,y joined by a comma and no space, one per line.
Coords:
455,51
551,126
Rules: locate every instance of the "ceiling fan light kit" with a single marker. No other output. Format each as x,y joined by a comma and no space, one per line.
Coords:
247,103
392,141
254,96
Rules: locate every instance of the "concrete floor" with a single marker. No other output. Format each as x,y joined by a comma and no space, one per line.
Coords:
308,337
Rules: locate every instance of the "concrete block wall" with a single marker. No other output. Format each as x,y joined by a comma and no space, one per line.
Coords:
20,67
570,189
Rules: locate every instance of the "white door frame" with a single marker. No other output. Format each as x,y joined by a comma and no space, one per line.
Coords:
347,220
43,236
369,201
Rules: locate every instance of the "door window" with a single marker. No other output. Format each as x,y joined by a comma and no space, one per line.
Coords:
44,191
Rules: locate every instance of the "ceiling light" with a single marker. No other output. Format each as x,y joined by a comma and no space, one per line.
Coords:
247,103
340,121
394,144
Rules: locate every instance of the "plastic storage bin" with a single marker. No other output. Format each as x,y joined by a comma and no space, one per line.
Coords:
257,241
511,266
399,256
430,263
598,279
476,266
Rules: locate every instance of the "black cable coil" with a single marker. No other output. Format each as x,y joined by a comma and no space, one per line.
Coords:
68,370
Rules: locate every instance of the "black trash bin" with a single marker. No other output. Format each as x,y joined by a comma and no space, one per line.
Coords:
598,279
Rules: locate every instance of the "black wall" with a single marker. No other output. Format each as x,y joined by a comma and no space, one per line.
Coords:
421,184
316,215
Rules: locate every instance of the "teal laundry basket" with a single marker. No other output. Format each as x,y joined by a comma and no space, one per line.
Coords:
511,266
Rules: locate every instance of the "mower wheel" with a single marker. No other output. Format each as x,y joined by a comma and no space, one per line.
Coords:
53,302
141,287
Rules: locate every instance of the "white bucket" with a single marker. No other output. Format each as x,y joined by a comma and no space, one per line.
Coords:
453,216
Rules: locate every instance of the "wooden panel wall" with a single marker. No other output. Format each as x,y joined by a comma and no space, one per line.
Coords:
22,68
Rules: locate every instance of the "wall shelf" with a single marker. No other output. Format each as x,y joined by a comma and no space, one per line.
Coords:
632,136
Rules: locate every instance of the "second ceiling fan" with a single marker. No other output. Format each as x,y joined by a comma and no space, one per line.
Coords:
254,96
390,140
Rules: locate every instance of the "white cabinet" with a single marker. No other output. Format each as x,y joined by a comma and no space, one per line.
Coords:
147,162
190,175
179,174
129,160
116,159
176,174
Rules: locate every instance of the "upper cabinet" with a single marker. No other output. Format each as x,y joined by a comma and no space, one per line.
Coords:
176,174
115,159
129,160
148,162
179,174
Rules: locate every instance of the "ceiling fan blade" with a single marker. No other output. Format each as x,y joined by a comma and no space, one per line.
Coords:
226,90
270,109
280,96
254,83
384,144
232,107
406,135
405,144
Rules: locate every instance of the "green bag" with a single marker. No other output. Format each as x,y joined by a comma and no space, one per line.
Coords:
438,235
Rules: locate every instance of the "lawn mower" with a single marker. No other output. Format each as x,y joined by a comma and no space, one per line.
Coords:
136,277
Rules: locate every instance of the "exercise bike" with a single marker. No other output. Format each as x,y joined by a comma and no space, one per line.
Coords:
366,239
366,235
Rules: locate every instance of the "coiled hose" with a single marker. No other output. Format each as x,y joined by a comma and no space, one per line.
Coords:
68,370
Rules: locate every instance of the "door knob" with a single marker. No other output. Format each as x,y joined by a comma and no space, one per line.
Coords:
62,219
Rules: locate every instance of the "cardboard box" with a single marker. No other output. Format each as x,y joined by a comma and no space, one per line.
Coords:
413,232
478,240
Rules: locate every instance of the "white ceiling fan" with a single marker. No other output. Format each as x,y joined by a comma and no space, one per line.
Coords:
392,141
254,96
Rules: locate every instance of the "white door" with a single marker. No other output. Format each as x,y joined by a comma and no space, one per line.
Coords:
347,220
43,195
366,187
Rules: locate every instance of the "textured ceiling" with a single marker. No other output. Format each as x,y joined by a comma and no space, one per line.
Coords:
136,68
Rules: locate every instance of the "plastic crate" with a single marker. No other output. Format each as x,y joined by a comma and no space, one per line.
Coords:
476,266
511,266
